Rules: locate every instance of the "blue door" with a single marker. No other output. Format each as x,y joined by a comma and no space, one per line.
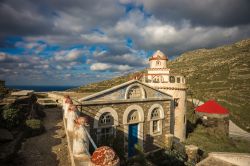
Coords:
132,139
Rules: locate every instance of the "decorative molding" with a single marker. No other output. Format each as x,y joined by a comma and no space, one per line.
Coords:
170,88
106,110
158,69
134,85
158,58
129,109
160,119
152,108
140,125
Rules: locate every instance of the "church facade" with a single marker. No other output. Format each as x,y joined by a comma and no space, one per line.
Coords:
138,114
131,114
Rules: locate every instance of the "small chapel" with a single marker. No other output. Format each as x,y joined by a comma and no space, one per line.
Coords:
138,114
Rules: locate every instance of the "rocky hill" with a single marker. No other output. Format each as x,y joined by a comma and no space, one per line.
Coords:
221,73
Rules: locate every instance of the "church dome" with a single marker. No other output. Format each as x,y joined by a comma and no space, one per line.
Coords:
158,55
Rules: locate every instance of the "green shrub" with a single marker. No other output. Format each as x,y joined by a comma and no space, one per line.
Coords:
11,117
34,127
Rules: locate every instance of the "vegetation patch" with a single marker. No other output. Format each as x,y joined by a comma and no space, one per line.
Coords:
34,127
11,117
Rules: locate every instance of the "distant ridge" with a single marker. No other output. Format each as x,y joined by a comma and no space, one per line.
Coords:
222,73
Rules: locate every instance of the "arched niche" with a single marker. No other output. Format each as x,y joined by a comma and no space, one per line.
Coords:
135,91
131,109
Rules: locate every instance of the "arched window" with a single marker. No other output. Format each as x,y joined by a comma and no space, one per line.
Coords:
106,119
156,79
155,113
133,116
134,92
178,79
106,129
158,63
155,116
172,79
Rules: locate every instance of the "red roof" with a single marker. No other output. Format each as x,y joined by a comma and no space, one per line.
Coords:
212,107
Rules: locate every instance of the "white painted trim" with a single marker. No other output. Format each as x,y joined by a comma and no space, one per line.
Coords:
104,110
143,93
152,108
168,96
129,109
160,119
140,124
151,127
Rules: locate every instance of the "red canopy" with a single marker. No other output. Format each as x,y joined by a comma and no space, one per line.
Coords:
212,107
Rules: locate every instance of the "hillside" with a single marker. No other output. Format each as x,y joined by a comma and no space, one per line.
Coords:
221,73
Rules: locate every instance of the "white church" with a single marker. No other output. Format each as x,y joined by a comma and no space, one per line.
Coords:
140,112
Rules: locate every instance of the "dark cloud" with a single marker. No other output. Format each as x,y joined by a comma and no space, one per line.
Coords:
23,18
45,17
208,12
107,36
130,59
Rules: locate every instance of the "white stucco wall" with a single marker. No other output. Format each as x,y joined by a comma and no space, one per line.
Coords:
177,89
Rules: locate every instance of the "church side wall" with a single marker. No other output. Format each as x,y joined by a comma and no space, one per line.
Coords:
179,113
149,142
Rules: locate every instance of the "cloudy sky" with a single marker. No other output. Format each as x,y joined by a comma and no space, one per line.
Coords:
74,42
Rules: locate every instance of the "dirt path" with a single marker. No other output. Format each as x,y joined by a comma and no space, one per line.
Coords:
50,148
236,131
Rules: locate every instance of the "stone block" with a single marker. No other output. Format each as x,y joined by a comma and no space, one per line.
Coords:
169,141
192,153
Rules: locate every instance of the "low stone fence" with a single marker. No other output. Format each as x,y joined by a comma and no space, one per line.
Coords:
58,96
75,161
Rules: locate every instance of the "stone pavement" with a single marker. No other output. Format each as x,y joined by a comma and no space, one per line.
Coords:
49,148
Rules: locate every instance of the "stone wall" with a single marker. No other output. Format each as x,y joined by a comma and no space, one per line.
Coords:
218,121
149,142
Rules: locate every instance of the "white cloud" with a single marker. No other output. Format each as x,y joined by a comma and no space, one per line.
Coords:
112,67
97,38
151,33
68,56
100,66
123,67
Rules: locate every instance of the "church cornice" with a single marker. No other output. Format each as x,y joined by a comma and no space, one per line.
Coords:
157,58
170,88
158,69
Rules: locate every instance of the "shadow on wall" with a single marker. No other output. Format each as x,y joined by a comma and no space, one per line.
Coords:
131,149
